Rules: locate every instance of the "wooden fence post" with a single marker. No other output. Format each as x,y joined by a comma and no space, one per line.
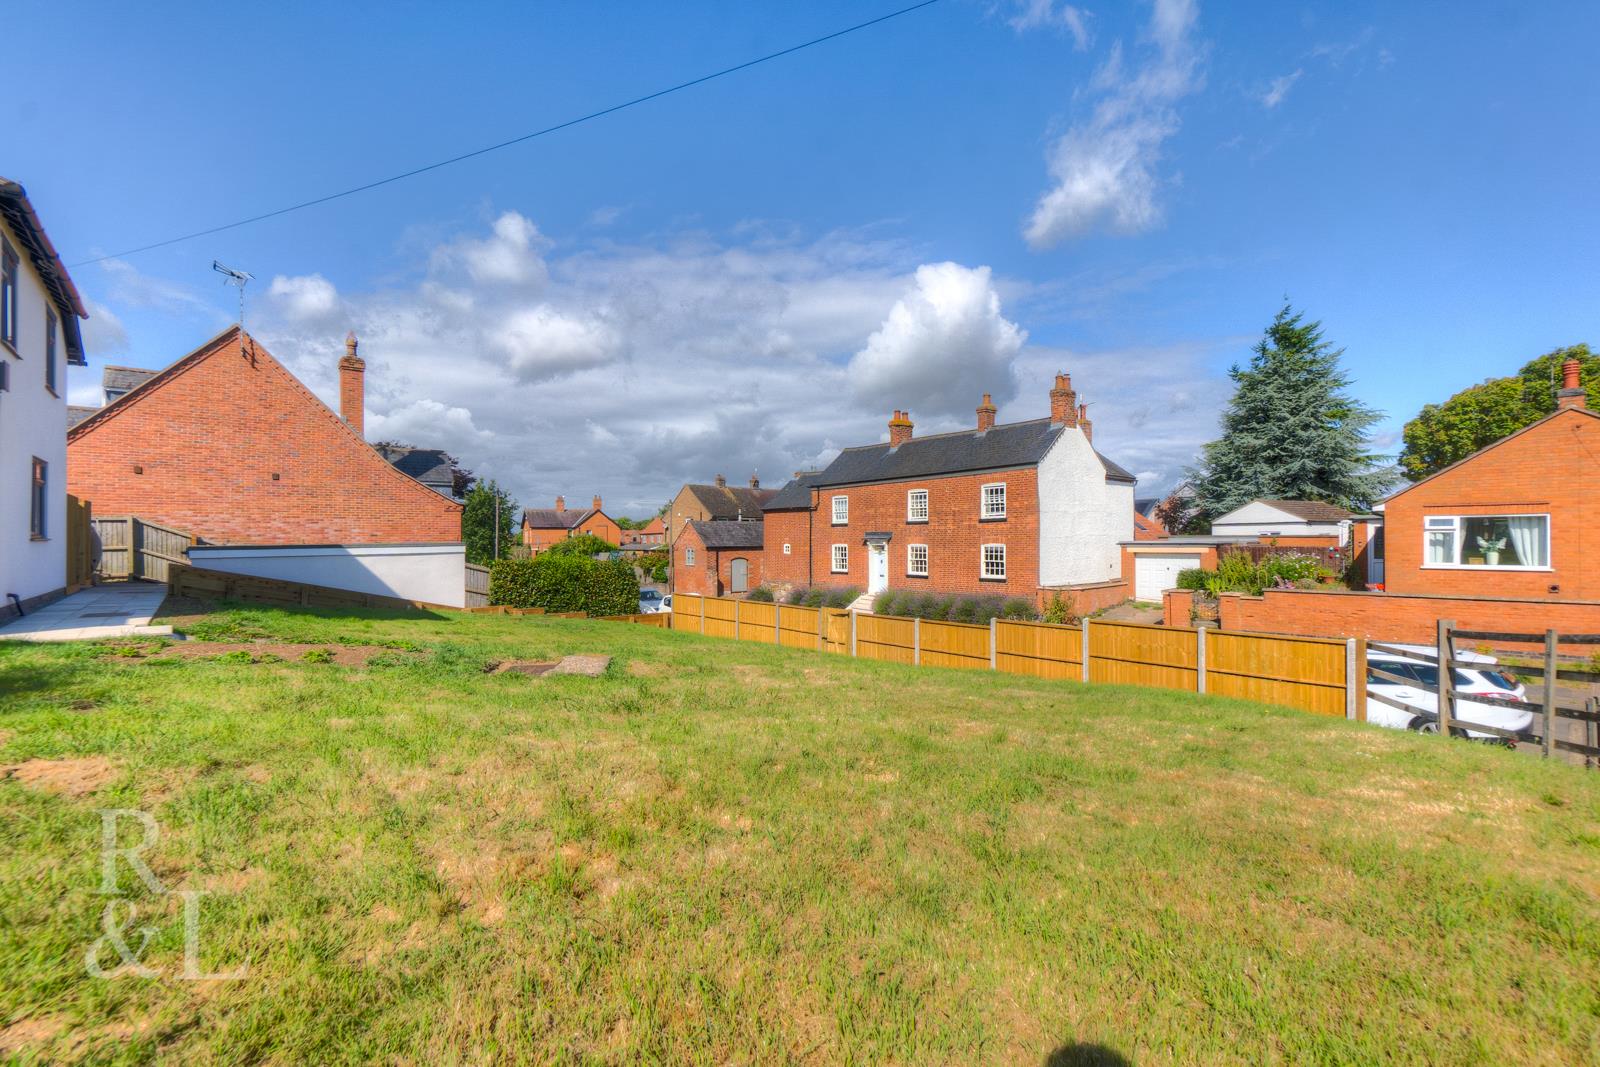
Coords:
1550,643
1350,679
1445,648
994,655
852,633
1200,658
1086,648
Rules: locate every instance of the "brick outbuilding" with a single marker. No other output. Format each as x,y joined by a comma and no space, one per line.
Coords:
718,557
227,445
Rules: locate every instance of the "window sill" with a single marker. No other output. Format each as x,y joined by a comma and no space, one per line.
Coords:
991,518
37,537
52,392
920,577
999,579
1483,567
838,572
10,347
837,525
916,522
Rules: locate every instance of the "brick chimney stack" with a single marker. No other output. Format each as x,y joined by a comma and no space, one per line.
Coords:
352,385
755,483
1063,402
1571,394
597,501
986,414
1083,421
722,483
899,428
561,503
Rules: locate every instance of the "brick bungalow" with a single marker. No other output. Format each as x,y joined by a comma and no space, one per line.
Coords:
1019,509
1507,539
716,557
543,527
228,446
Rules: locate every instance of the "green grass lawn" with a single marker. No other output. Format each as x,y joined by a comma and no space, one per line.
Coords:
726,853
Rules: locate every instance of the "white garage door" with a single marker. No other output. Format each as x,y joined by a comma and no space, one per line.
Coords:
1154,575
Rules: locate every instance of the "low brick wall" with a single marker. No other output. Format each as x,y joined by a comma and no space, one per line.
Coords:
1177,607
1089,598
1410,618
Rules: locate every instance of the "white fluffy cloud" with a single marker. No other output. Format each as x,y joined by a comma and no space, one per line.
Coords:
541,342
943,344
1046,14
511,255
306,298
103,332
1105,168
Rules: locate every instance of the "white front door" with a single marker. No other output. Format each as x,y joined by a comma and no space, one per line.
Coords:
877,567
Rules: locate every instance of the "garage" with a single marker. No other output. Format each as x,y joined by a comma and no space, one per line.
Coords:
1155,573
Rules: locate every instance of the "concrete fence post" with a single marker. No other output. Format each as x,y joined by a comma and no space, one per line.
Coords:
916,642
1086,648
852,633
1350,679
736,620
1200,659
1551,644
822,622
777,623
702,601
994,655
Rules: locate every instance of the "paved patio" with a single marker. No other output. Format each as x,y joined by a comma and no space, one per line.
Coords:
120,609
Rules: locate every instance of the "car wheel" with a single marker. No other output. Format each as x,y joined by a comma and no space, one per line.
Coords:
1423,726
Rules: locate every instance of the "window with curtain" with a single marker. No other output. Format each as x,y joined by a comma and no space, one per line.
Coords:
1486,541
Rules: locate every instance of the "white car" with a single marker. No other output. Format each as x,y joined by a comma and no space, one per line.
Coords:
666,605
649,601
1474,673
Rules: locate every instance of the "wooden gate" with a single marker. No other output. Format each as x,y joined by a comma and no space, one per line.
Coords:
131,547
80,543
477,586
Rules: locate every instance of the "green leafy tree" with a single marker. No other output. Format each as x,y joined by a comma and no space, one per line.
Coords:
586,544
1292,430
478,521
1475,418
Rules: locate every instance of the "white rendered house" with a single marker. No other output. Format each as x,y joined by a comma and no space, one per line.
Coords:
39,338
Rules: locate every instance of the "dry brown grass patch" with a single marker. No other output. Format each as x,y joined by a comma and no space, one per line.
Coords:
75,777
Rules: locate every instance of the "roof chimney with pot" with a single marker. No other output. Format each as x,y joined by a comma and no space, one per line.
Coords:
986,414
1571,394
597,501
1083,421
1063,402
755,483
352,388
561,503
722,483
899,428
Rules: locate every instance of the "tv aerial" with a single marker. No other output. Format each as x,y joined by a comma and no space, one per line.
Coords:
234,277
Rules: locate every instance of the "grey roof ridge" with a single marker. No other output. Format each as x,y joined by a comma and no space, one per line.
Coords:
948,433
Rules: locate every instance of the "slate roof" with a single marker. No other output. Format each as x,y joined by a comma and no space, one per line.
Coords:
721,534
124,379
1015,444
795,494
551,519
731,502
430,466
1311,510
76,413
17,210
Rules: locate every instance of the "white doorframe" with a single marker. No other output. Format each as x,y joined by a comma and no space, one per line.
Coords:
877,567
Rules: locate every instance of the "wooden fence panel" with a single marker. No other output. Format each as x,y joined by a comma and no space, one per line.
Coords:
1137,654
686,612
1300,672
1042,649
80,543
758,621
838,624
477,586
798,627
719,616
115,535
955,644
885,638
130,547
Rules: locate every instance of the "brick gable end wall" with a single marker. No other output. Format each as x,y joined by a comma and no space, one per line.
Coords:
210,437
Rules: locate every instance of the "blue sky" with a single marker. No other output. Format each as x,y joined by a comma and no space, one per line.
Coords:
757,271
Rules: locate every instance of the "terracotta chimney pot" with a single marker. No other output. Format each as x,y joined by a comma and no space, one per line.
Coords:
561,503
722,483
1083,421
899,428
1571,394
597,501
1063,402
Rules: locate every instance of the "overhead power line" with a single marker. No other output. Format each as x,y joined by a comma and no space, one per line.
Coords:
517,140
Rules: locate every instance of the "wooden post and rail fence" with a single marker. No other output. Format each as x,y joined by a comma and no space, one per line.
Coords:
131,547
1325,676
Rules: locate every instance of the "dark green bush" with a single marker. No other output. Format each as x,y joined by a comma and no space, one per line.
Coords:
1017,608
887,603
760,594
581,545
565,582
963,609
1192,578
842,598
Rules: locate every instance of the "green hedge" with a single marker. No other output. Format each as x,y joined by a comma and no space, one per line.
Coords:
558,582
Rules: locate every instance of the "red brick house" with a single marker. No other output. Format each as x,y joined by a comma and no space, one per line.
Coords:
227,445
652,533
543,527
718,557
1520,518
1013,510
